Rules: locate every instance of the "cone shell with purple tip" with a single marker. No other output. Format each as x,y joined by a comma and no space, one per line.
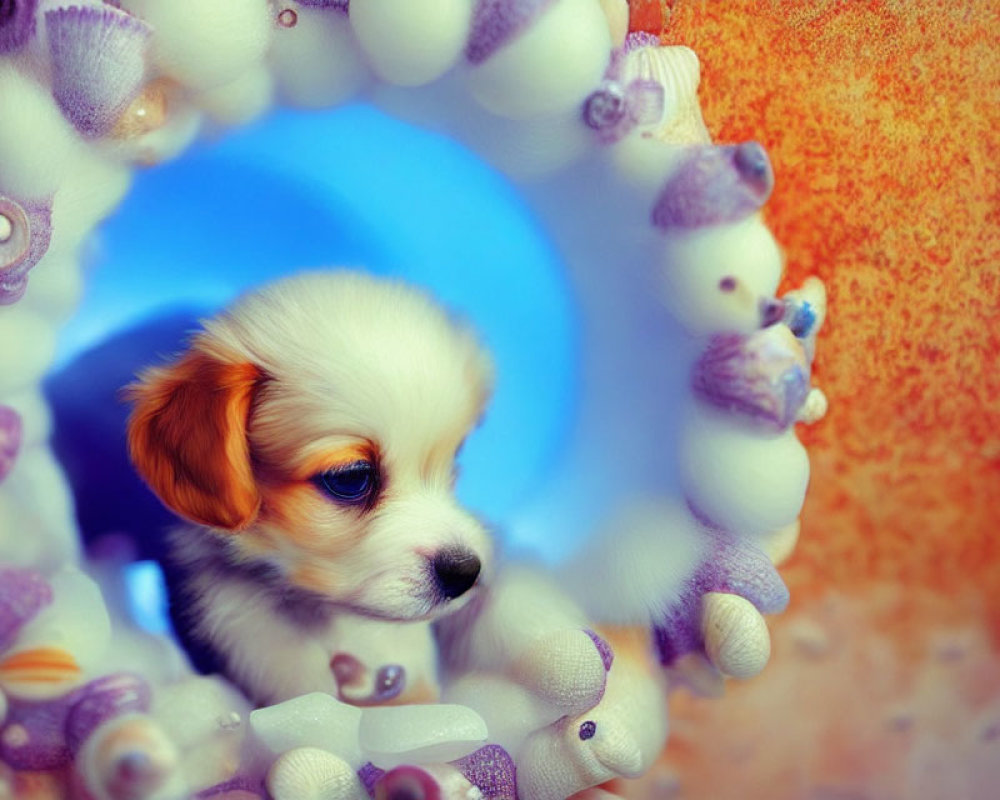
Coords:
714,186
25,232
98,64
763,377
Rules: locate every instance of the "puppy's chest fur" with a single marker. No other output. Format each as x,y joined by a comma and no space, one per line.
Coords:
274,640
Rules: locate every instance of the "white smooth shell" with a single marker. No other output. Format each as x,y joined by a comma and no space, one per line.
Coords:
413,42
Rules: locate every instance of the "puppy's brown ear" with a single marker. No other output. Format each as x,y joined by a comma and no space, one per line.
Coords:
187,436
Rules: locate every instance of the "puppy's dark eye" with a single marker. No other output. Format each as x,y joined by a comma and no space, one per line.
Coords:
351,483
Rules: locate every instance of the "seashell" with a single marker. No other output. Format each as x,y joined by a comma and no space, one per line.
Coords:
98,64
127,758
676,70
533,59
737,641
715,185
336,5
308,773
497,22
50,666
32,736
491,770
23,593
103,699
10,443
614,110
370,775
17,23
566,668
412,43
763,376
408,782
25,233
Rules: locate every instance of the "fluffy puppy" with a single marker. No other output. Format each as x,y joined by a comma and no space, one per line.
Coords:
310,433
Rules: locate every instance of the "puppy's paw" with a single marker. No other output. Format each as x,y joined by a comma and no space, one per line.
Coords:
567,669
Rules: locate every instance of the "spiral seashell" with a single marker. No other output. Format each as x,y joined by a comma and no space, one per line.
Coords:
98,64
25,233
17,23
764,376
10,444
103,699
308,773
23,593
127,758
407,782
715,185
737,641
676,70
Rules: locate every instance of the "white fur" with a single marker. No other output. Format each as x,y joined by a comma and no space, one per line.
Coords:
348,359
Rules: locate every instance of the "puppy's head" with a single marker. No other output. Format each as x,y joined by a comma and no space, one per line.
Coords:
316,424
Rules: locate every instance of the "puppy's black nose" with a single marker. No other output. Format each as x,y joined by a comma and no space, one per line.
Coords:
455,571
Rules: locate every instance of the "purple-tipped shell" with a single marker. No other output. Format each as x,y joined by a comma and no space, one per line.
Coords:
17,24
25,233
491,770
764,376
103,699
496,22
336,5
715,185
10,439
98,64
370,775
23,593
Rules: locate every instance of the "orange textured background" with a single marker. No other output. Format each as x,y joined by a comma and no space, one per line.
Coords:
882,122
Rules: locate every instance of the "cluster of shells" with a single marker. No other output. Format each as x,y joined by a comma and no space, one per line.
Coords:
685,472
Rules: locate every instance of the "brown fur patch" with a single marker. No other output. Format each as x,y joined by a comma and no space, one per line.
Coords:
187,438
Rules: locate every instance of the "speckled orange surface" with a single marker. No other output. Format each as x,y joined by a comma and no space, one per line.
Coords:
882,121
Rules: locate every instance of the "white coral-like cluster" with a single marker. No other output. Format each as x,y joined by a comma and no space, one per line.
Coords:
684,473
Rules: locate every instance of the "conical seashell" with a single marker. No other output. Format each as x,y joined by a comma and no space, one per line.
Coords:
715,185
25,232
677,70
308,773
17,23
10,444
764,376
98,64
128,757
23,593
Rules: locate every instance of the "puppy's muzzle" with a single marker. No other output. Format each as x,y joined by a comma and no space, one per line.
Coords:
455,571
